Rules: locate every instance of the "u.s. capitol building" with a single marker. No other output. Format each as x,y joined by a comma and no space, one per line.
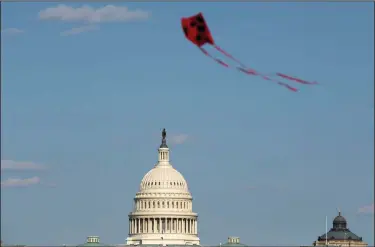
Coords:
163,207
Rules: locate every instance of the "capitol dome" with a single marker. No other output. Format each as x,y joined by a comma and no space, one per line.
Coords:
163,209
165,178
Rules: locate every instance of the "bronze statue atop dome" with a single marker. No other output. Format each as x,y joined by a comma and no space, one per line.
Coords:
164,134
164,139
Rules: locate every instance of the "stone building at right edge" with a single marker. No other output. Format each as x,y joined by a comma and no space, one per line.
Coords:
340,235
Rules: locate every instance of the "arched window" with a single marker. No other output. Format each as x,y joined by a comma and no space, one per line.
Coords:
158,204
168,204
172,204
153,203
163,204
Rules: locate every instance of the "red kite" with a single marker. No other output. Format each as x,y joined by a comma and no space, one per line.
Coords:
197,31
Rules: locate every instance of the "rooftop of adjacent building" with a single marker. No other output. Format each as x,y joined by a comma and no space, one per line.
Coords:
233,242
339,231
94,241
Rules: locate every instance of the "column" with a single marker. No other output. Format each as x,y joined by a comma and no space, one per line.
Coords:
160,229
196,226
163,226
164,220
170,224
154,225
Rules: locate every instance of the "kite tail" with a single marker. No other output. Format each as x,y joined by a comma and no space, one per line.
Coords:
291,78
215,59
284,76
255,73
247,70
229,56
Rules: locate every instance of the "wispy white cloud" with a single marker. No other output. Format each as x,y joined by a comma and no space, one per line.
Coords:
20,182
368,209
12,31
178,139
11,165
78,30
88,14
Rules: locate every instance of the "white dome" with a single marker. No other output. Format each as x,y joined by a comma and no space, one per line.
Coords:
163,178
163,207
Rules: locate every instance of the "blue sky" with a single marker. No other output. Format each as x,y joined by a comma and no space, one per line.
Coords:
262,163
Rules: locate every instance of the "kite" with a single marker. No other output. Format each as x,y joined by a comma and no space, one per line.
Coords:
197,31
